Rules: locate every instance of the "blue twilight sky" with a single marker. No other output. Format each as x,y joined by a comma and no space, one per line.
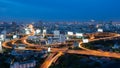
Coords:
59,10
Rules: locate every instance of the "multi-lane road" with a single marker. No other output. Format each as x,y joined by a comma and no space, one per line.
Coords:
57,52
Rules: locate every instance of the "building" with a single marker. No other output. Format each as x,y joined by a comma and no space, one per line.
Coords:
50,40
37,31
79,35
62,38
56,33
25,64
44,32
100,30
1,47
3,35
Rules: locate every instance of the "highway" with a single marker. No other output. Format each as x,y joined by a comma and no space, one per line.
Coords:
53,56
50,59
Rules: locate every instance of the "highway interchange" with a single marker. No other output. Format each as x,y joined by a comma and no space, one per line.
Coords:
57,52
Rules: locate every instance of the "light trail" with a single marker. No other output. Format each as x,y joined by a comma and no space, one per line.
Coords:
50,59
60,51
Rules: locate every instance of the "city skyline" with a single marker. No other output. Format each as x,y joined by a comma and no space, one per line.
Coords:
59,10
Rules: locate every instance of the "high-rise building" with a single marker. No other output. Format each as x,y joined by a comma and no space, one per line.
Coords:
44,32
1,47
56,33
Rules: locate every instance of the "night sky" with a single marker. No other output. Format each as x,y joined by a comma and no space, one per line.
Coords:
59,10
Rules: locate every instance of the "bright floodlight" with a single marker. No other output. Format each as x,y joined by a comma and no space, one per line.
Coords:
100,30
85,40
70,33
14,36
79,34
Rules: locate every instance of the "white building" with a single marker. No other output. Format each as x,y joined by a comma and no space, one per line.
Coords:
78,35
2,37
100,30
70,33
38,31
14,36
85,40
44,32
49,49
27,31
